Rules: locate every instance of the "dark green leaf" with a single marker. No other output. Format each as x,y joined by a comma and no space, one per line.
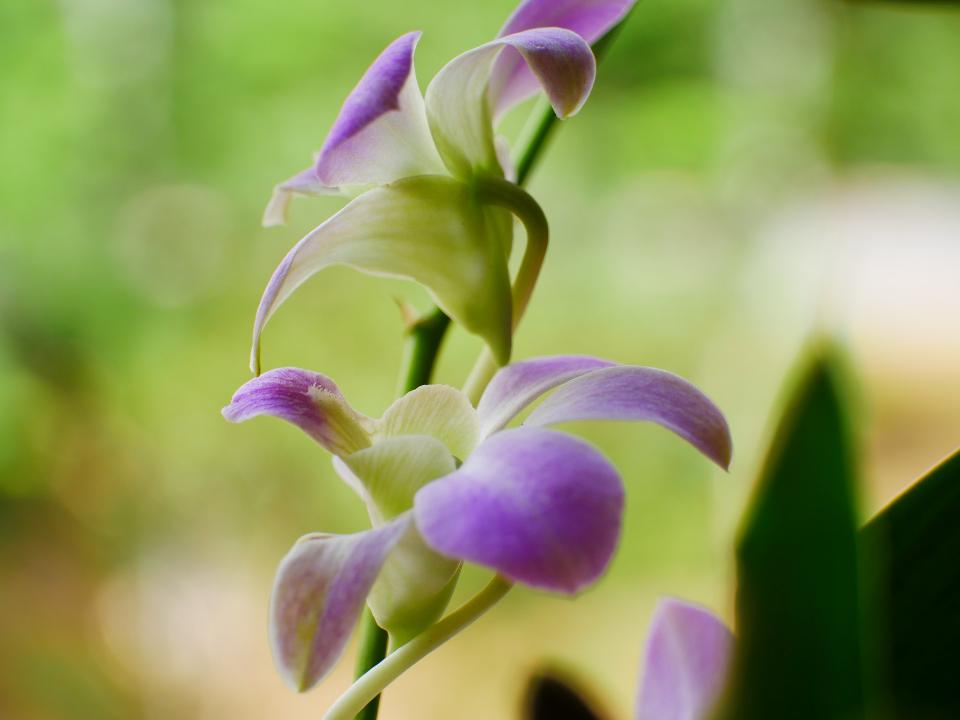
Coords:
916,540
799,651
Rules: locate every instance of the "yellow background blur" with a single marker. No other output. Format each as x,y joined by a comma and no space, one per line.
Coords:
747,172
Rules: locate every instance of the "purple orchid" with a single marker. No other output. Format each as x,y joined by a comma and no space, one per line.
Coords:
445,482
686,662
430,176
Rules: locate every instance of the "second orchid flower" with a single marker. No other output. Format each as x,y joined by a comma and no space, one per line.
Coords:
444,482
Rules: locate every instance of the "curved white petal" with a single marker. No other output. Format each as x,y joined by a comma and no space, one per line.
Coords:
429,229
458,99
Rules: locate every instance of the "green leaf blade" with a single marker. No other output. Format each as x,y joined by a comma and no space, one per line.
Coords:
915,544
799,652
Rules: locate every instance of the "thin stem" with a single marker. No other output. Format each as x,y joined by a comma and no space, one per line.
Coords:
368,687
422,348
533,138
373,648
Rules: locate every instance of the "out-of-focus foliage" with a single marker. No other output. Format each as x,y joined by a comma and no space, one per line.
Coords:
744,170
916,542
552,697
799,647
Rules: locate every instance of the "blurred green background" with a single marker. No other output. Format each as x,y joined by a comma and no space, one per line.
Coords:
747,172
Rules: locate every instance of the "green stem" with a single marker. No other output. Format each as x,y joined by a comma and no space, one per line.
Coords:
368,687
422,348
373,648
533,138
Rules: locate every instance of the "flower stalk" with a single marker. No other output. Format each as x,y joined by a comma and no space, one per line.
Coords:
367,688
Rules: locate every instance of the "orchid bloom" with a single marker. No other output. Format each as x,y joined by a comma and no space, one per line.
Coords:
445,482
429,175
686,661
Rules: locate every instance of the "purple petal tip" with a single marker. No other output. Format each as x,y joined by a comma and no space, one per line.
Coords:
309,400
377,93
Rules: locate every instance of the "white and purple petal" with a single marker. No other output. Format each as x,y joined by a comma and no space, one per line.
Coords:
428,229
458,99
310,401
685,666
641,394
304,182
538,506
381,133
319,593
518,384
512,80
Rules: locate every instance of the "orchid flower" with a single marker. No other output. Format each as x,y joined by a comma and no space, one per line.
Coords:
444,482
686,662
429,176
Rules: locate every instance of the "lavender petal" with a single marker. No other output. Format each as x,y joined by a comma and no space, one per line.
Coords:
686,658
381,133
310,401
318,595
639,394
538,506
590,19
518,384
458,107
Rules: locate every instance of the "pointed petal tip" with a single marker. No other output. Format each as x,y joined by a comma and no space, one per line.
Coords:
275,214
304,183
229,413
725,455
